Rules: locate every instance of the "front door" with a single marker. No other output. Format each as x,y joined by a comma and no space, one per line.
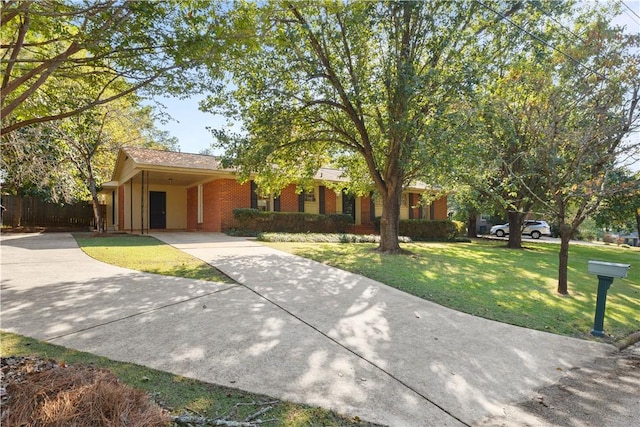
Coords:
349,205
157,209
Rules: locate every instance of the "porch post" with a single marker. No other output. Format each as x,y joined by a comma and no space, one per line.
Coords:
142,202
131,204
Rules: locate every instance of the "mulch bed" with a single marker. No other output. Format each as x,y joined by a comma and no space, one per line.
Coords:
40,392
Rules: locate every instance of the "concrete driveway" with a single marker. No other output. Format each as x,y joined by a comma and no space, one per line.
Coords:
292,328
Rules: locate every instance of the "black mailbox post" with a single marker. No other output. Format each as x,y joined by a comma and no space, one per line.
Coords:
606,272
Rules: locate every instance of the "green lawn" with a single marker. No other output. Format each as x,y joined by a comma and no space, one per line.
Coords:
486,279
183,395
148,254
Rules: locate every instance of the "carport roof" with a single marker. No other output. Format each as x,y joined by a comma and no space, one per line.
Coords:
147,156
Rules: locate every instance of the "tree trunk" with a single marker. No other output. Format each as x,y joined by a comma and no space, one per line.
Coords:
563,259
638,223
390,221
472,225
97,214
95,203
17,215
515,227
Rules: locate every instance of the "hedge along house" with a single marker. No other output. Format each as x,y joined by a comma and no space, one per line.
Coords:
157,190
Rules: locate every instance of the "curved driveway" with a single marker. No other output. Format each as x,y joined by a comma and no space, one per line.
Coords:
292,328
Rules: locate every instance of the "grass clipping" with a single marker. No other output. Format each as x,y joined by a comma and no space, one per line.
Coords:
78,396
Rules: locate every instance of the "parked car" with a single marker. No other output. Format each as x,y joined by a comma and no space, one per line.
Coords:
535,229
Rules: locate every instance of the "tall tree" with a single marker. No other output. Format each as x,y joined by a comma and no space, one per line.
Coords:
509,112
61,58
591,112
504,142
92,140
557,105
68,159
583,104
371,86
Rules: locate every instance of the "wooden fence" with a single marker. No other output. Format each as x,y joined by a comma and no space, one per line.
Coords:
33,212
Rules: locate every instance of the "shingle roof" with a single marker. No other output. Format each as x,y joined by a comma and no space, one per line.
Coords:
146,156
329,174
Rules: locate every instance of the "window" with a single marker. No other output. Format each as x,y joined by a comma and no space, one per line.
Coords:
309,196
264,203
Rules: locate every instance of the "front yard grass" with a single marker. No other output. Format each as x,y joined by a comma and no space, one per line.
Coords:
486,279
148,254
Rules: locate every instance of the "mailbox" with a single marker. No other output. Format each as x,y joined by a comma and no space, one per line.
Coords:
606,272
609,269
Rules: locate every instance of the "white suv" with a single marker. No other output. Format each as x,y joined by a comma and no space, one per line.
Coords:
535,229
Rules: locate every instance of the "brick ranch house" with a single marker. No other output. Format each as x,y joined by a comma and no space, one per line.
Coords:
156,190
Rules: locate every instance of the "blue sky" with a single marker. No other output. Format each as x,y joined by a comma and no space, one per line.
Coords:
189,123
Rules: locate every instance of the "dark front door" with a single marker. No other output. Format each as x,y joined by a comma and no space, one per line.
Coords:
349,205
157,209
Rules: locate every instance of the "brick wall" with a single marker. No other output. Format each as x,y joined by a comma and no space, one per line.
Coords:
289,199
232,195
210,207
221,196
330,201
219,199
414,200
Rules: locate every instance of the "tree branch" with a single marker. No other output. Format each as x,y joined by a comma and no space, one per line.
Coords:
96,102
17,47
8,13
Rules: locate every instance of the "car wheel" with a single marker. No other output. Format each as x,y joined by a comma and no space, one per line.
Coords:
535,234
500,233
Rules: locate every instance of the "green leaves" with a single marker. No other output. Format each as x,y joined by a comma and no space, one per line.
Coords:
620,209
360,79
108,49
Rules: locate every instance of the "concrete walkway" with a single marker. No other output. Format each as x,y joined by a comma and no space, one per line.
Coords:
294,329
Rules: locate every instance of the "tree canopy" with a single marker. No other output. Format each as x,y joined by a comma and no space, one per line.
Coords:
62,58
371,87
558,115
620,210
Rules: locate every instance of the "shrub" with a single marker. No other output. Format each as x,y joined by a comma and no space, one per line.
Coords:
254,220
341,221
249,222
461,228
241,233
245,214
439,230
425,229
323,238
